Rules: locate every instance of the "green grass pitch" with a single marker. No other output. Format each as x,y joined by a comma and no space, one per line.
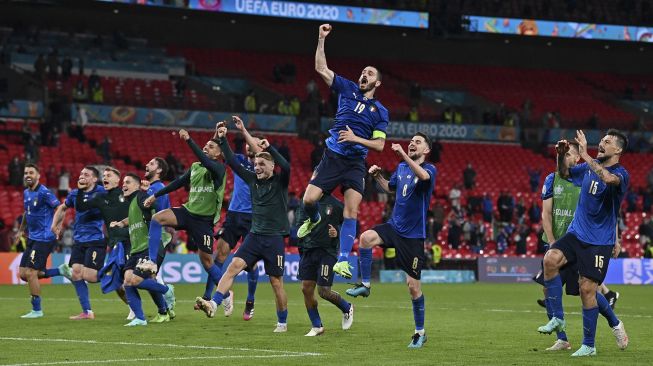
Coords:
472,324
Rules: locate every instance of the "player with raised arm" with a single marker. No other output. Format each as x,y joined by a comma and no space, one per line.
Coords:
199,214
90,248
360,125
559,201
590,240
413,182
39,204
238,221
269,194
138,221
112,206
318,253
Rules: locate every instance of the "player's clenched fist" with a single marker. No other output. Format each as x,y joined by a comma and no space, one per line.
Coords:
325,29
562,147
374,171
264,144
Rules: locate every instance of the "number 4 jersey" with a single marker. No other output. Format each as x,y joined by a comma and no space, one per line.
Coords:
413,197
595,220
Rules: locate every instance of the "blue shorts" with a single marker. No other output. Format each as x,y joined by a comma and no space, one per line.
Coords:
235,228
410,252
592,260
133,260
568,275
316,264
269,248
199,228
90,256
36,254
335,169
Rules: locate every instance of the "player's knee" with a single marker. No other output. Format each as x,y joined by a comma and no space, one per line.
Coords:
76,273
350,212
367,239
207,260
307,289
324,291
414,288
587,287
551,261
276,283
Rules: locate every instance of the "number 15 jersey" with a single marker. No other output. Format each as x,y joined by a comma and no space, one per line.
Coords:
595,220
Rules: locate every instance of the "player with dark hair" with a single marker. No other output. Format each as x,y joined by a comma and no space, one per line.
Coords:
318,253
413,182
39,204
269,194
112,207
590,240
559,201
138,221
237,223
360,124
90,247
199,214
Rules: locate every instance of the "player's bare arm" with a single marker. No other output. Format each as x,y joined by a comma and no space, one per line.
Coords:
21,229
249,139
375,172
547,219
606,176
57,221
420,172
348,135
320,58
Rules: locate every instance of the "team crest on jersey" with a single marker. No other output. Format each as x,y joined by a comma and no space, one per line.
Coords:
36,202
372,108
415,180
557,190
329,210
121,198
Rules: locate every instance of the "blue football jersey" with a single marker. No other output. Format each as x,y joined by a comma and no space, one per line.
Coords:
367,118
595,220
162,202
39,207
241,199
412,200
88,224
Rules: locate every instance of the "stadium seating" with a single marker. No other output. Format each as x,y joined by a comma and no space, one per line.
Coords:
549,91
498,166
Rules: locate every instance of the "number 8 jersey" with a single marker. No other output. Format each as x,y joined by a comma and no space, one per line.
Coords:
412,201
595,220
368,118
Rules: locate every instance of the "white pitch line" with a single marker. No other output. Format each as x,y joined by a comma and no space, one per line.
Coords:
129,360
167,345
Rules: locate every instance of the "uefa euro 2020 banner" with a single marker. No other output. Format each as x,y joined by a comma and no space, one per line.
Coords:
299,10
177,268
559,29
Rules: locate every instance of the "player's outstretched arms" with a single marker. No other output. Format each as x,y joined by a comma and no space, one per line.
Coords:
320,58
